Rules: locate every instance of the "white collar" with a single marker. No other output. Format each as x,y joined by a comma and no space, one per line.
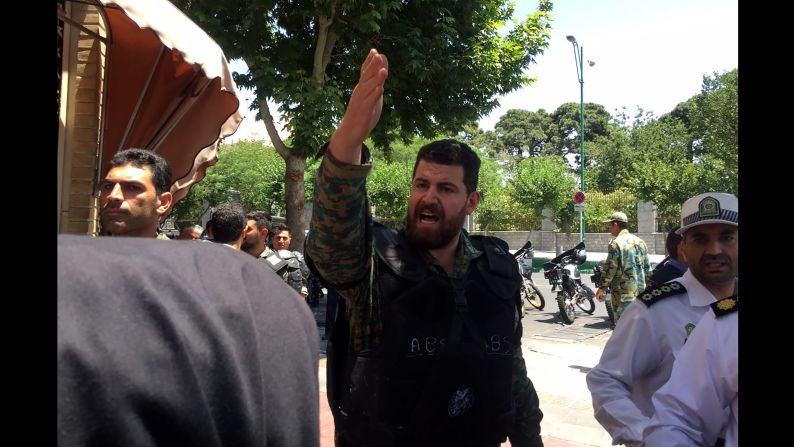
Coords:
699,295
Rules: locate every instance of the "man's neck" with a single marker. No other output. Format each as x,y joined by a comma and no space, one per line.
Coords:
446,255
723,290
256,250
141,233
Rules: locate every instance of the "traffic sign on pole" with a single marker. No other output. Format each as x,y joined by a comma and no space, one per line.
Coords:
579,197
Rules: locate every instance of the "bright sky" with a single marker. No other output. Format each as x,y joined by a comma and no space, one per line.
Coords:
648,53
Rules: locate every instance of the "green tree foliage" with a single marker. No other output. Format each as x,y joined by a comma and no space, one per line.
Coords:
688,151
254,170
567,119
448,61
545,182
498,210
389,186
715,121
608,160
600,207
524,132
662,171
487,142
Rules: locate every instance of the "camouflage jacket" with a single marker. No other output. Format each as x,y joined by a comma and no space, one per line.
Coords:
627,265
339,247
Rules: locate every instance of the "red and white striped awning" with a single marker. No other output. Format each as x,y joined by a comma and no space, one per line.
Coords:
169,89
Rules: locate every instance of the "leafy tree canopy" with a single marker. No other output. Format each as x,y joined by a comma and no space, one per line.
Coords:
525,132
246,167
448,61
545,182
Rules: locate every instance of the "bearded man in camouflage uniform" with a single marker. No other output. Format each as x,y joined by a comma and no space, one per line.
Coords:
426,345
626,266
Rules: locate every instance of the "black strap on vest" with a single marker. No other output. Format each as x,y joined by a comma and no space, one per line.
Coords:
461,317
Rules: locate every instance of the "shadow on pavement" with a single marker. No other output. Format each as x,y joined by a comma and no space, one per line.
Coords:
551,319
583,369
598,325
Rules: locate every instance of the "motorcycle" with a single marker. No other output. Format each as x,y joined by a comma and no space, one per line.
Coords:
596,278
530,294
565,279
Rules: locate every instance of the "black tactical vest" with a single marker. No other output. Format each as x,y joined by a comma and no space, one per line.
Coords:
443,371
287,265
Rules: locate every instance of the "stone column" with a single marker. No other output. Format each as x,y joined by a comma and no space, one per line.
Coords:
646,217
547,224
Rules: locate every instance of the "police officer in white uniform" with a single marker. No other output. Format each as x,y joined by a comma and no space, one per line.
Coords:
638,358
701,399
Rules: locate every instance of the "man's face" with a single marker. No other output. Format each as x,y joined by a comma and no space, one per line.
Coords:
253,237
129,203
438,205
712,253
281,240
614,228
189,235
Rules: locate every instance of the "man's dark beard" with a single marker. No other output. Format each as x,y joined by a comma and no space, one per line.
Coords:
425,240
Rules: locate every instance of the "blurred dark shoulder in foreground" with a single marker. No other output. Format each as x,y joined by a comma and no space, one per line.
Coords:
180,344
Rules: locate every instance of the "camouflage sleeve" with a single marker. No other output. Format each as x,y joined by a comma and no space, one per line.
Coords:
646,263
337,245
525,432
611,265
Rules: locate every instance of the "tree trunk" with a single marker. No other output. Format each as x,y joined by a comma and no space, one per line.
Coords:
295,198
294,191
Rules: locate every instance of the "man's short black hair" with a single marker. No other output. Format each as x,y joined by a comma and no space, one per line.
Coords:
671,244
228,221
262,219
190,228
279,227
622,225
140,158
455,153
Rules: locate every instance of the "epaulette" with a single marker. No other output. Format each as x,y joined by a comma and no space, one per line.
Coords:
656,294
725,306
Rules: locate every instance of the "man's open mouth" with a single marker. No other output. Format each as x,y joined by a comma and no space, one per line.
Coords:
428,218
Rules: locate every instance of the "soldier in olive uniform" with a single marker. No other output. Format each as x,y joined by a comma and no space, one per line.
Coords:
626,266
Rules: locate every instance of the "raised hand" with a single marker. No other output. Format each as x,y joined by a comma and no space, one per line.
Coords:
363,110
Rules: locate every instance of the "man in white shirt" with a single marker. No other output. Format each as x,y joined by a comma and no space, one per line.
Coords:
701,399
638,358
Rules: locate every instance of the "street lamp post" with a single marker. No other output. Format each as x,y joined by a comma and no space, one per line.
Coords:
578,57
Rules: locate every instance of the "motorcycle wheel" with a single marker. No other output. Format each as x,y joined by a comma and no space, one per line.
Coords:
588,291
531,294
586,304
610,313
567,312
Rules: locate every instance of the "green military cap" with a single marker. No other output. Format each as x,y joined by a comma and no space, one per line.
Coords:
617,215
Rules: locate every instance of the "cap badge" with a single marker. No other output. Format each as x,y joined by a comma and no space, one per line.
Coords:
709,207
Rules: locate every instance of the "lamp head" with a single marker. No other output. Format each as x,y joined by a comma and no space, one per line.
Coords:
571,39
